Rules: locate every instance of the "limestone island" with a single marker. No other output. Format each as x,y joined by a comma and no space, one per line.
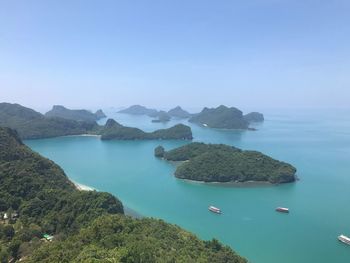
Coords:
224,163
114,130
222,117
77,115
179,113
140,110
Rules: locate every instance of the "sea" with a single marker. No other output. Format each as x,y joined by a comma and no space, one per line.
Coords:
316,142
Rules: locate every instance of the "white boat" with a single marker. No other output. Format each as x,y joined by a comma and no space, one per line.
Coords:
282,209
214,209
344,239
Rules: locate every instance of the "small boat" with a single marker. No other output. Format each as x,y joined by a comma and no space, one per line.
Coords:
282,209
214,209
344,239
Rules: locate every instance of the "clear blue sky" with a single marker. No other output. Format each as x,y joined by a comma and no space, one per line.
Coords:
247,53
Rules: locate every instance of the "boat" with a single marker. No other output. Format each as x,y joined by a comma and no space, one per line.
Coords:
214,209
282,209
344,239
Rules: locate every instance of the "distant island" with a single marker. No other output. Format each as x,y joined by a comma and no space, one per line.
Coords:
45,218
140,110
223,117
178,112
77,115
162,117
34,125
114,130
223,163
254,117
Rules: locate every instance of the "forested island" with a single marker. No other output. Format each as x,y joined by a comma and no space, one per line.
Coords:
34,125
223,163
224,117
140,110
77,115
39,203
180,113
162,116
114,130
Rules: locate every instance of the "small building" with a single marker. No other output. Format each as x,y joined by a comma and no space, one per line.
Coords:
6,216
48,237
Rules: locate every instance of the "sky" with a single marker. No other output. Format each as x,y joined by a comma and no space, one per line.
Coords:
251,53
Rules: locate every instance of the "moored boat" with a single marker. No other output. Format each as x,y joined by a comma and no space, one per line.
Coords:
344,239
214,209
282,209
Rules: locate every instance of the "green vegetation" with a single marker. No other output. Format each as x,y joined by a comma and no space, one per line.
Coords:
39,200
223,163
159,152
254,117
114,130
33,125
178,112
77,115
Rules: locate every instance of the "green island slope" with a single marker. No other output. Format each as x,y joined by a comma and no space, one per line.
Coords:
223,163
34,125
39,199
114,130
77,115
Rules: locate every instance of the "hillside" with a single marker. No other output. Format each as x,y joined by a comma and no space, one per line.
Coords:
114,130
180,113
223,163
33,125
77,115
38,199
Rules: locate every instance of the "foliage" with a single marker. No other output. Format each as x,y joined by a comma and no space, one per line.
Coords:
223,163
134,240
114,130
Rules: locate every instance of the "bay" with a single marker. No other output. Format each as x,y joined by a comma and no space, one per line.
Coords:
317,143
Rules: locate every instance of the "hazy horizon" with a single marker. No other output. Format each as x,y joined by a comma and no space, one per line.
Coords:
251,55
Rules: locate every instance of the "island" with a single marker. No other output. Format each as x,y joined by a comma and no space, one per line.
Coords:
179,113
223,117
77,115
223,163
254,117
45,218
140,110
162,117
34,125
114,130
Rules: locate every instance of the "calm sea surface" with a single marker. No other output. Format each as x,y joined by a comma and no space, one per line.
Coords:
316,143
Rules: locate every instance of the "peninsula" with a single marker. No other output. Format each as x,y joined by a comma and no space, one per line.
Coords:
223,163
38,203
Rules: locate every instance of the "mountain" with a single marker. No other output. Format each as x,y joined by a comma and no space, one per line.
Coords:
33,125
77,115
221,117
100,114
140,110
114,130
162,117
223,163
178,112
254,117
86,226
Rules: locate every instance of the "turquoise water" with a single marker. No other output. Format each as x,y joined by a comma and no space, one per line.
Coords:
317,143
